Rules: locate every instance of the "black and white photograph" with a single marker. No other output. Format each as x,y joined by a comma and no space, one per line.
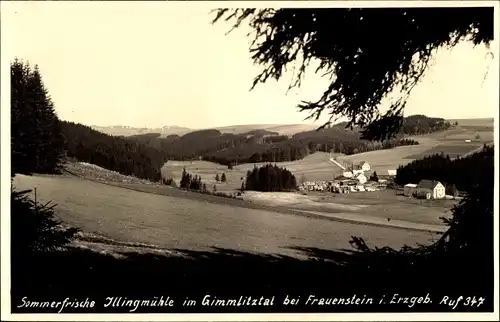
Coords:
239,160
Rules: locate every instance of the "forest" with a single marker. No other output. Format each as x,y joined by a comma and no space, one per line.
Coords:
270,178
464,173
125,156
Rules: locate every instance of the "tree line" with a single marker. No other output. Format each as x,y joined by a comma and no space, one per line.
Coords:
421,124
119,154
463,173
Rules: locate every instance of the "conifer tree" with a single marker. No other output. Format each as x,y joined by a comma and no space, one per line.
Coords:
185,179
223,177
37,146
36,137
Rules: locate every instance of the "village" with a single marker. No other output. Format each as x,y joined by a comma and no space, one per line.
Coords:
361,178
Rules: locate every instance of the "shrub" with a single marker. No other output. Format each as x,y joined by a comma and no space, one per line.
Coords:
34,227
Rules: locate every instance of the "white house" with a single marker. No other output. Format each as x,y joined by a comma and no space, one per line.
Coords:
392,172
361,178
357,172
410,189
347,174
365,166
434,188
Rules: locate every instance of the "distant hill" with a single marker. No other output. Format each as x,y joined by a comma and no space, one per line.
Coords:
282,129
120,130
279,129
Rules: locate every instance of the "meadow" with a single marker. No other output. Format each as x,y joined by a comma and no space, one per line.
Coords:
113,215
384,207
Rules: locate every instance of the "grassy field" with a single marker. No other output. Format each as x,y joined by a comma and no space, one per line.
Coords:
383,205
316,166
126,216
453,150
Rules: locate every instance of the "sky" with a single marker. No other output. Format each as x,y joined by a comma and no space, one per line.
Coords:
153,64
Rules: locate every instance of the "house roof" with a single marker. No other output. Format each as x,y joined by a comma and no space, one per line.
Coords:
428,184
410,185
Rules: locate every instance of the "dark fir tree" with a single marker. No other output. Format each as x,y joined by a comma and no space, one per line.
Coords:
217,177
223,177
195,183
185,179
37,143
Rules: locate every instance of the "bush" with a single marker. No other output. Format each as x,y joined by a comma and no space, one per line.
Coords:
33,226
169,182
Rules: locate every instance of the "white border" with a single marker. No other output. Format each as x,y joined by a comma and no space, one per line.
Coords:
5,186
